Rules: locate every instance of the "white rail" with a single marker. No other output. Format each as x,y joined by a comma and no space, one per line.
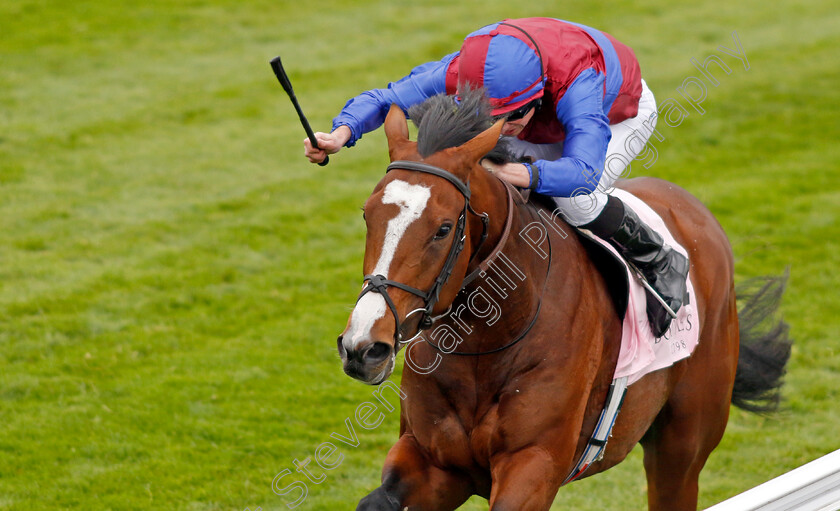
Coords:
812,487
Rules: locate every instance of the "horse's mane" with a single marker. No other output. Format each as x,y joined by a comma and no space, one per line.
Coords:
443,123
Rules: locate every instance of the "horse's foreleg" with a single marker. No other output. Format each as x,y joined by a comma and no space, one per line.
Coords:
524,480
409,481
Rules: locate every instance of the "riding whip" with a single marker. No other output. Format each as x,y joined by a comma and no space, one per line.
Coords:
277,66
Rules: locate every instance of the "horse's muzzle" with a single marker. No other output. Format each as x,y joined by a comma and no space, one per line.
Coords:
371,362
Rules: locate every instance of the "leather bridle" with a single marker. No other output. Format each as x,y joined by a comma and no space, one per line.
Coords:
379,284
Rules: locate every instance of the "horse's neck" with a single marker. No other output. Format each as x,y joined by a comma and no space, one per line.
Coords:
506,298
490,198
534,225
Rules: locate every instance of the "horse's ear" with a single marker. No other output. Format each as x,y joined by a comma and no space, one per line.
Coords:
483,143
396,130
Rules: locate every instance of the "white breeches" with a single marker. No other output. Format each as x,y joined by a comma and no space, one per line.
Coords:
627,140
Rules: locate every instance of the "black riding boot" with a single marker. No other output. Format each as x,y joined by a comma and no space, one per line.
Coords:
664,268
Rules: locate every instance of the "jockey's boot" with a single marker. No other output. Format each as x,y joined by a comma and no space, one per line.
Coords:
664,268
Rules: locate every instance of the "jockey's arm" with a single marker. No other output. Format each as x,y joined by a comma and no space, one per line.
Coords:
367,111
578,170
581,111
328,143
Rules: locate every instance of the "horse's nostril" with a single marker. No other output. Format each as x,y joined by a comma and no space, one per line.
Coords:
376,353
341,351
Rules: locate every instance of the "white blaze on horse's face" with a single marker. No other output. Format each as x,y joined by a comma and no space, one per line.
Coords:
412,201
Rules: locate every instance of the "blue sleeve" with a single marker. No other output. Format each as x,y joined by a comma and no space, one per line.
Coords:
367,111
581,110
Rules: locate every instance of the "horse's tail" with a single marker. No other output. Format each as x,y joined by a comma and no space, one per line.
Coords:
765,345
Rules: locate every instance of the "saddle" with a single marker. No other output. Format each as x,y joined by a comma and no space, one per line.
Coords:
641,352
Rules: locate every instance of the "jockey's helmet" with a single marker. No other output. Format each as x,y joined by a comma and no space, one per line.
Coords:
507,64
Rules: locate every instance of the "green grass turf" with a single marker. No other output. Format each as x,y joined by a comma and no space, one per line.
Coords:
173,274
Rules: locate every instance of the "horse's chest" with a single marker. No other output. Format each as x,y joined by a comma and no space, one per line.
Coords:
482,435
447,440
455,439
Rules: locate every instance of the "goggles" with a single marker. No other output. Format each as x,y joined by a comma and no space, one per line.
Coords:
521,112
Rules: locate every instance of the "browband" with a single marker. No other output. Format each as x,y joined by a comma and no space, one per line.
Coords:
431,169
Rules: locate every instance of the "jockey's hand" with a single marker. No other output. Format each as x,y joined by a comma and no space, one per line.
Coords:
329,143
514,173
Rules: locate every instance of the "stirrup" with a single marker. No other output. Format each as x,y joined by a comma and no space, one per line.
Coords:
651,290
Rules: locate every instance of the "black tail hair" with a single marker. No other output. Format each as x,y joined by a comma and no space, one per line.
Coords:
765,345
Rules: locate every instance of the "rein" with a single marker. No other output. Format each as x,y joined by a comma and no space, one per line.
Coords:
539,300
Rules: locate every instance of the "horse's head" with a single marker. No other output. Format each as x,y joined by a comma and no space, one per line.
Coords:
420,236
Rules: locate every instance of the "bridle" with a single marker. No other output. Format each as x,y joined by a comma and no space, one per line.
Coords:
379,284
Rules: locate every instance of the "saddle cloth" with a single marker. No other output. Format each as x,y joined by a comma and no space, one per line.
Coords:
642,353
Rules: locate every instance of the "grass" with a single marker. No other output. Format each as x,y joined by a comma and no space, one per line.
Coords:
174,274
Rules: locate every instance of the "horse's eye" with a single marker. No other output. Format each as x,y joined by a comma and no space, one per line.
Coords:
443,231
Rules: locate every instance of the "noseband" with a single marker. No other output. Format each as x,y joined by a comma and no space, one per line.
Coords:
379,284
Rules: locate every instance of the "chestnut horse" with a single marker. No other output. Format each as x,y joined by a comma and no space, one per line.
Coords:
537,331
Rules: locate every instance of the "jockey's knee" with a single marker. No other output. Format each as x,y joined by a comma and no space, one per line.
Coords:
581,208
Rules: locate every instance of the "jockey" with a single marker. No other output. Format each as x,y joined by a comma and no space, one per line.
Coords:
575,106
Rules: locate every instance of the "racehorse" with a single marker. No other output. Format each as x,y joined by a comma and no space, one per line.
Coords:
509,370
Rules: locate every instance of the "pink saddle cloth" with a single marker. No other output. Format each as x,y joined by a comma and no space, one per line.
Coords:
641,352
